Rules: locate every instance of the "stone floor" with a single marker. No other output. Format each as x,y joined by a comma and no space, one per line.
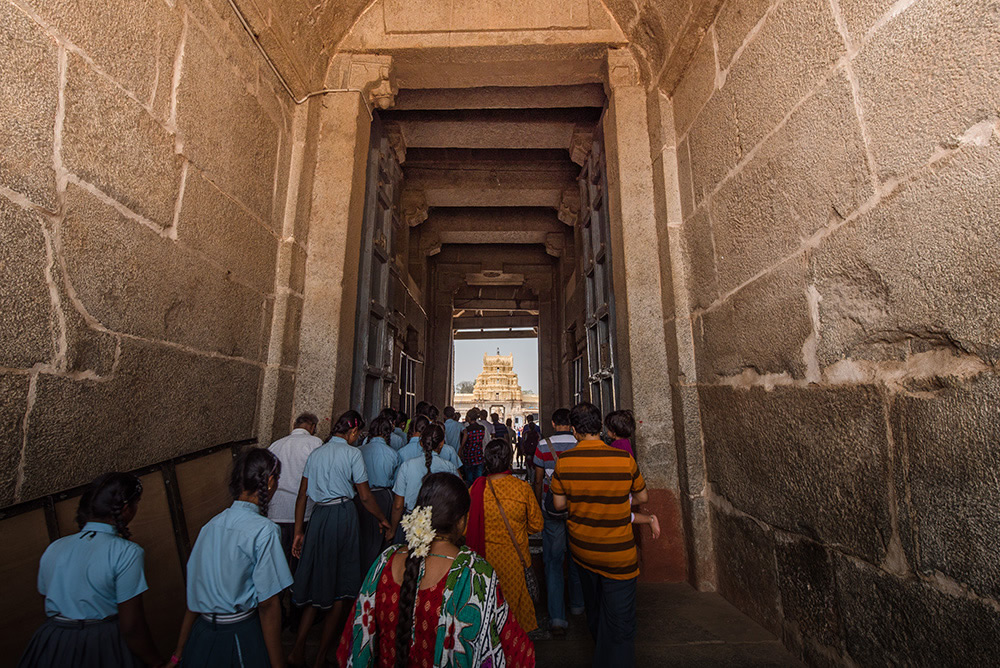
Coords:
677,626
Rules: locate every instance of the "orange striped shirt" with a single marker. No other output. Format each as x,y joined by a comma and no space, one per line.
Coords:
597,480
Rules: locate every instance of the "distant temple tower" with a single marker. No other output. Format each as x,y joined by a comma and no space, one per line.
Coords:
497,384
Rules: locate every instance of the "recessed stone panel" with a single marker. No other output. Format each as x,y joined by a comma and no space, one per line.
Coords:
215,225
26,336
952,468
797,45
109,140
809,461
811,173
744,554
920,267
13,404
134,281
926,78
161,403
223,128
762,327
807,583
893,622
29,72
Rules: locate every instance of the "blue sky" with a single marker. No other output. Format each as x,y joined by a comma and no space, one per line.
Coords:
469,359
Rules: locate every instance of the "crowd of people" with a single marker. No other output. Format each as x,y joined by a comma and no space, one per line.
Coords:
409,536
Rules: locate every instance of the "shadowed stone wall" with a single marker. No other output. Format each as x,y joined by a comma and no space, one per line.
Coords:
144,266
838,168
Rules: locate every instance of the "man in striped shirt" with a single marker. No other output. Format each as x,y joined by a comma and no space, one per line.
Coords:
599,484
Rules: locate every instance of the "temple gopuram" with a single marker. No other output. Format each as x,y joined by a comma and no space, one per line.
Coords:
497,390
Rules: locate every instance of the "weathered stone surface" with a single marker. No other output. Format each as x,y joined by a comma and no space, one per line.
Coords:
714,142
811,173
797,45
653,36
110,141
213,224
810,461
87,349
134,281
895,276
927,78
861,15
13,403
952,441
807,584
285,395
123,39
211,101
696,87
734,23
28,70
744,554
761,327
684,179
699,250
293,324
889,621
26,336
297,276
161,403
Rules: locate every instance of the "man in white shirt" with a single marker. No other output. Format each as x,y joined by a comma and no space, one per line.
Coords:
292,451
487,425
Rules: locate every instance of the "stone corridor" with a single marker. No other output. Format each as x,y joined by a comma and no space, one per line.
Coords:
769,227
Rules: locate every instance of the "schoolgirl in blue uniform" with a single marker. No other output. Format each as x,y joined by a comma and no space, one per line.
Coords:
234,575
413,449
93,582
381,463
329,572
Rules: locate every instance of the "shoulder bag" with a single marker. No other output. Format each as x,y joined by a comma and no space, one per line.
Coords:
529,573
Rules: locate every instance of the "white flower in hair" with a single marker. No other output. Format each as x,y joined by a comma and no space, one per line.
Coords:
419,531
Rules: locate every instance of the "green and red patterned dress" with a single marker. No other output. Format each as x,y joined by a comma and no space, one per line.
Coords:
462,622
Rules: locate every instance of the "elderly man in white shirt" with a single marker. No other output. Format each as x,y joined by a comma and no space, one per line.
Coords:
292,451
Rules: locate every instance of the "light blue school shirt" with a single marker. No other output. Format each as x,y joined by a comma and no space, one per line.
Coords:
87,574
411,475
333,470
381,462
411,450
236,563
451,454
453,433
398,439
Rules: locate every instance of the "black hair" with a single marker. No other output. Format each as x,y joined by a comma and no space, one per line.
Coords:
497,456
530,417
401,418
306,418
418,425
421,408
449,500
495,417
585,418
347,422
449,412
433,413
621,422
251,472
381,427
472,415
389,413
560,416
106,499
430,438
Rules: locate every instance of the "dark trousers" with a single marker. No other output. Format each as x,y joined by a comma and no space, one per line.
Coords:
370,535
290,614
610,608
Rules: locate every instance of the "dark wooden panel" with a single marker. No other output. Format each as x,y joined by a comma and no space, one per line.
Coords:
204,489
24,539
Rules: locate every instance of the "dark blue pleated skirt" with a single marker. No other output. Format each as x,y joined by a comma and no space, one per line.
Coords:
58,644
330,567
370,535
239,645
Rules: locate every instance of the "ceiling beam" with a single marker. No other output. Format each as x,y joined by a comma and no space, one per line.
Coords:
497,97
493,322
513,334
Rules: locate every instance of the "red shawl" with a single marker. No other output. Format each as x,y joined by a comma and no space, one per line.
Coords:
475,533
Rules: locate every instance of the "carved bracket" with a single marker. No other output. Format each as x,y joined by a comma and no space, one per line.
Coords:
555,244
581,144
569,207
623,70
414,207
370,74
396,140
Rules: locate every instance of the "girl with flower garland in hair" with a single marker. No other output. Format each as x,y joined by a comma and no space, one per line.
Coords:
329,573
411,474
434,602
235,573
93,582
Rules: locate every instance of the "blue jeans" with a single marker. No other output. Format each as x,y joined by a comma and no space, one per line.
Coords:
554,547
611,618
471,472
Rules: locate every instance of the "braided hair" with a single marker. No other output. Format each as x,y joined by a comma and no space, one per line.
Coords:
430,440
346,422
252,472
449,500
381,427
418,425
106,499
